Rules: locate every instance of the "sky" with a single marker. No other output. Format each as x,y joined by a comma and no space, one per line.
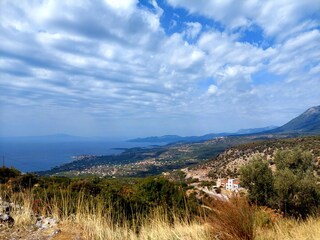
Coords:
134,68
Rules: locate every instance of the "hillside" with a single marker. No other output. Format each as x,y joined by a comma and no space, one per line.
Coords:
192,151
229,162
149,161
306,123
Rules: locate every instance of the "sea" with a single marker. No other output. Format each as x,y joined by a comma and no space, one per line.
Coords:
33,156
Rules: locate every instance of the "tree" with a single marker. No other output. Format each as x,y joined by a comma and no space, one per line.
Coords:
258,179
7,173
157,191
296,160
293,188
297,193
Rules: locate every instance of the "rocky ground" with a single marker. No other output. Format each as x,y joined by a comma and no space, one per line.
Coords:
37,228
228,163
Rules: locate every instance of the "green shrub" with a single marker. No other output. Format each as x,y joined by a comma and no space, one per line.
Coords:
7,173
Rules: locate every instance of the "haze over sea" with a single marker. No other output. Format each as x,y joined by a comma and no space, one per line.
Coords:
29,156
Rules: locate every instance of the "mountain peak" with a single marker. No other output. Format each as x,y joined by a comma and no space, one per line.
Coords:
308,122
313,110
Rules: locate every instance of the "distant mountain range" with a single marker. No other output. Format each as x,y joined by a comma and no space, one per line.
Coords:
190,150
254,130
177,138
308,123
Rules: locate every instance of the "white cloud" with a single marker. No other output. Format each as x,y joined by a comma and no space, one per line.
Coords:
212,89
123,5
113,60
276,18
297,54
193,29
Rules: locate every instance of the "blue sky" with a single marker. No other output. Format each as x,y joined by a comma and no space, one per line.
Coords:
139,68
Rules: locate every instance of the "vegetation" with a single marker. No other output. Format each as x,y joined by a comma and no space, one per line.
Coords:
150,208
233,220
126,197
7,173
230,161
295,184
143,162
292,188
283,194
257,178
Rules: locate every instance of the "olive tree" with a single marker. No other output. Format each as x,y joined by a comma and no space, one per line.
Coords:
257,177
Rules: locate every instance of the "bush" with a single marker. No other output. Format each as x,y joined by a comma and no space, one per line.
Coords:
233,220
7,173
24,181
88,187
160,191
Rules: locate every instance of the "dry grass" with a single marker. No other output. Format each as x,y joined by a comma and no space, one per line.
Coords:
290,229
94,228
228,220
233,220
92,221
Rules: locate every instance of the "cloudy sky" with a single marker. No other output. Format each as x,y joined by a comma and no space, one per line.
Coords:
139,68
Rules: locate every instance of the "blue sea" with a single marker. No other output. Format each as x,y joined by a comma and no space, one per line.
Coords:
31,156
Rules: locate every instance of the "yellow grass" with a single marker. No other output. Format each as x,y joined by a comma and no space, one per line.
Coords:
290,229
94,228
92,221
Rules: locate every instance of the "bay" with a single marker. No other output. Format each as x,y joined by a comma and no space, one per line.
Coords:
31,156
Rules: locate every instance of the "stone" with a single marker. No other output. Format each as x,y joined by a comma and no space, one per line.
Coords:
6,219
44,223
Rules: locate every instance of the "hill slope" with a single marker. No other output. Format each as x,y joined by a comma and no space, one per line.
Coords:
148,161
306,123
228,163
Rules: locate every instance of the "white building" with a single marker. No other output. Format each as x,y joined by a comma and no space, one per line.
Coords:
233,185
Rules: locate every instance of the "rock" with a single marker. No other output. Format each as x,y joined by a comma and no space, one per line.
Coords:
55,232
44,223
6,219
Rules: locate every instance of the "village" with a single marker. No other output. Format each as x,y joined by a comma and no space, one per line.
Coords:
223,189
220,188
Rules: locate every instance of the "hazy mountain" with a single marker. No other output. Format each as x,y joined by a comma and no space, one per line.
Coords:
176,138
306,123
255,130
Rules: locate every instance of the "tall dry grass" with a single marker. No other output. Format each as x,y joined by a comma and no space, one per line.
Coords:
291,229
232,220
83,218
